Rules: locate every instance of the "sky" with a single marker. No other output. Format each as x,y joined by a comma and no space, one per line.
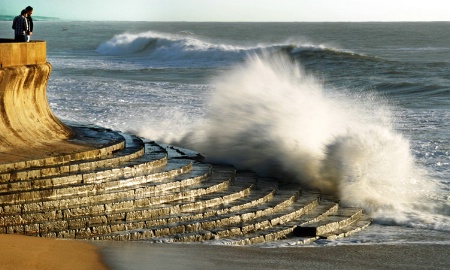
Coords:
235,10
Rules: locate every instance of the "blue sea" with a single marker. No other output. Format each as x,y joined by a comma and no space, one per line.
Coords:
357,110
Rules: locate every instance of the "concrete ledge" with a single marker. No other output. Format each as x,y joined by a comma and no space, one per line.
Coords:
22,53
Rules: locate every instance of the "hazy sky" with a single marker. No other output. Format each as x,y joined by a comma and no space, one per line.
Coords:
236,10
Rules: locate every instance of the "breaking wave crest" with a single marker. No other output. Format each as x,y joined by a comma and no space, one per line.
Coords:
164,46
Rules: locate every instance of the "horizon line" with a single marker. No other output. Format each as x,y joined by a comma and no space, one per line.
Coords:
45,18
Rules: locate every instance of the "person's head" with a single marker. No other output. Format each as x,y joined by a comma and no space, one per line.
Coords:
24,13
29,10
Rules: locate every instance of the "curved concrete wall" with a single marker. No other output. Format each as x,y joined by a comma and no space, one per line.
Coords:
25,115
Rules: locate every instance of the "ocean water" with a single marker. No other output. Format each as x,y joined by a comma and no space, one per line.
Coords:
357,110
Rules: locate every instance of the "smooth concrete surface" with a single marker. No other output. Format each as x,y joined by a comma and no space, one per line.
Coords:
22,53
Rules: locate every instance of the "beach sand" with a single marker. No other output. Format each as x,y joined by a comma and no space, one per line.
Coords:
22,252
25,252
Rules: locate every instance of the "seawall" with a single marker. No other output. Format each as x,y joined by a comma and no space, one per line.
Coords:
25,116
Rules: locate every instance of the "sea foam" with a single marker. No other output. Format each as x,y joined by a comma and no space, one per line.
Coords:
270,116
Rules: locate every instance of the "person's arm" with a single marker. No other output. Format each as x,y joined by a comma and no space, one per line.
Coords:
30,26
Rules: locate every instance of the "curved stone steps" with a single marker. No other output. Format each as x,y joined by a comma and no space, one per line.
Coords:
175,152
194,229
275,231
262,192
144,165
238,196
116,193
293,240
161,222
134,148
95,143
319,212
348,230
70,222
343,217
91,189
154,158
106,222
65,209
325,208
285,229
164,196
327,219
39,212
270,218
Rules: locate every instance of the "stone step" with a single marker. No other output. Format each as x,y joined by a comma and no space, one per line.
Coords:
280,231
118,209
139,169
116,222
44,200
255,218
92,190
180,152
77,227
241,194
40,212
341,218
326,207
263,223
348,230
103,141
240,190
289,239
263,192
347,217
109,223
171,222
134,148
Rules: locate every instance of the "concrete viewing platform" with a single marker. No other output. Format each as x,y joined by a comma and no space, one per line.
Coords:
68,180
22,53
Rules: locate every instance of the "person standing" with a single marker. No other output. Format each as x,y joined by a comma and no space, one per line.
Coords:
20,26
29,10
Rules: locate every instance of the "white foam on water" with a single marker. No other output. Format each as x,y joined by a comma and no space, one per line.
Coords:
270,116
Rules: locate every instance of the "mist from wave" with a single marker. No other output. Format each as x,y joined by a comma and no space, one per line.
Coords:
268,115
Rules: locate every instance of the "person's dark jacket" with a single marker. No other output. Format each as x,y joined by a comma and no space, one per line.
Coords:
30,24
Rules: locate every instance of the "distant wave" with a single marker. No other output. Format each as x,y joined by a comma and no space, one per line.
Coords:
324,53
162,45
185,45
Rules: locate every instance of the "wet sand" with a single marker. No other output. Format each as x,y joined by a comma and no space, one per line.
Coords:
22,252
134,256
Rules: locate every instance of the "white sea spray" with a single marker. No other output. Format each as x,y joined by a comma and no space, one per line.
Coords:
268,115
